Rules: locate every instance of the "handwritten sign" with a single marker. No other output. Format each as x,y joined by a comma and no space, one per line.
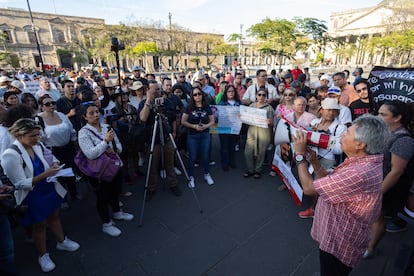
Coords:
392,84
31,87
228,119
253,116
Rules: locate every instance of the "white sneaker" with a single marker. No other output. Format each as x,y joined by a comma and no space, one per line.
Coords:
191,183
237,148
272,173
46,264
67,245
208,179
141,162
123,216
177,171
110,229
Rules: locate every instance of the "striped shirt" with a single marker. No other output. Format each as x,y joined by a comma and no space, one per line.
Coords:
349,202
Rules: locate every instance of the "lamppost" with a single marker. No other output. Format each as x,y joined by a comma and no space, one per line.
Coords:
171,43
36,38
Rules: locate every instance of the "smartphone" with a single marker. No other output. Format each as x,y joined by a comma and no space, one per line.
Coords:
61,166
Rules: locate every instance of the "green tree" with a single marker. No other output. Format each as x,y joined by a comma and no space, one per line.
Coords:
316,29
144,49
11,59
277,38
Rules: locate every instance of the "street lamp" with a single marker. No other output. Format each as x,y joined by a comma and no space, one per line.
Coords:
36,38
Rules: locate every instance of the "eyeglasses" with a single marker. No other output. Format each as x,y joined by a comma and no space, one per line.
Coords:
288,95
197,94
49,103
181,76
362,89
261,95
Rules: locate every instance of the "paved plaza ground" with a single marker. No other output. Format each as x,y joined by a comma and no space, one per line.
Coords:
248,227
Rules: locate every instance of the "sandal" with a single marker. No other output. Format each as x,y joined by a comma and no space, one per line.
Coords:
257,176
247,174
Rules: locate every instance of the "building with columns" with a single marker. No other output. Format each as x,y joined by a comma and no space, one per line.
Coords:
357,27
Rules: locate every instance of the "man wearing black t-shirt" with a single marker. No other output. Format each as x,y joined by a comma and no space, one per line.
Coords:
364,104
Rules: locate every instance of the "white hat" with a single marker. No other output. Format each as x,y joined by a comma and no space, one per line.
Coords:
325,77
334,90
330,103
5,79
18,84
137,68
136,85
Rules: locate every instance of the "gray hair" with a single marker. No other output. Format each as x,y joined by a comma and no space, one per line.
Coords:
301,98
23,126
372,131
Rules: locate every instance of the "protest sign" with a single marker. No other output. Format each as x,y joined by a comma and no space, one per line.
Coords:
228,119
391,84
253,116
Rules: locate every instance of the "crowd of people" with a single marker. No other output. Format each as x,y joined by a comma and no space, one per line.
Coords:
41,132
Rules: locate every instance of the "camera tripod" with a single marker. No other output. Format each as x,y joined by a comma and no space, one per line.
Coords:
159,124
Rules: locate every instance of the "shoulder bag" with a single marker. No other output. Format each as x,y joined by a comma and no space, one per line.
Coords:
103,168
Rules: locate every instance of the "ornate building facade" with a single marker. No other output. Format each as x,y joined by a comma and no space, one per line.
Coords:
357,28
66,41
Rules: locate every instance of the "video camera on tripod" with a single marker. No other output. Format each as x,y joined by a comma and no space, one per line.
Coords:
115,45
159,104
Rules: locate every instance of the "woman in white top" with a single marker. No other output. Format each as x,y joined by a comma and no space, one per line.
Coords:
94,139
60,137
27,169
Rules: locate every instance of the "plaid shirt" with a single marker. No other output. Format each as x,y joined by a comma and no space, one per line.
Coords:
349,202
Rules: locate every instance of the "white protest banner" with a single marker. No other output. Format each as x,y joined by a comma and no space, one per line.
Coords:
228,119
31,87
253,116
285,173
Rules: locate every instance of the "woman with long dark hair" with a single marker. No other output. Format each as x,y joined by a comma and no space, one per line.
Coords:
94,139
198,118
397,175
228,141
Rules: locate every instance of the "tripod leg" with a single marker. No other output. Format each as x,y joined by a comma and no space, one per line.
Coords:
185,171
141,218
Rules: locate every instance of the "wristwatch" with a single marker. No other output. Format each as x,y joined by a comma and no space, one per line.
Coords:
299,158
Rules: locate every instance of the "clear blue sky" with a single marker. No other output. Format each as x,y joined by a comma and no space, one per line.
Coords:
217,16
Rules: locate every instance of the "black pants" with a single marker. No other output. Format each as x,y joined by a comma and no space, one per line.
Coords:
107,195
66,155
331,266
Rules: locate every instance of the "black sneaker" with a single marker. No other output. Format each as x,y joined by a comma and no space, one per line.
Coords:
176,191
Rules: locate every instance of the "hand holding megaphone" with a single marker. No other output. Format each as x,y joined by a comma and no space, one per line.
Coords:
285,130
300,140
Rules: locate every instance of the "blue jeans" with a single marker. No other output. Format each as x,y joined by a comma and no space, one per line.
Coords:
7,266
198,144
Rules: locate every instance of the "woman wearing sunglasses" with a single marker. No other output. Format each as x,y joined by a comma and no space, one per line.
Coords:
285,105
28,171
258,138
60,136
198,118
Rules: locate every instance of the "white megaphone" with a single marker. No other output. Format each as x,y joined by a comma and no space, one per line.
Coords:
285,129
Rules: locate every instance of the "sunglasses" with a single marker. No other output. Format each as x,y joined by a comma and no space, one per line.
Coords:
182,76
261,95
197,94
49,103
286,95
362,89
230,90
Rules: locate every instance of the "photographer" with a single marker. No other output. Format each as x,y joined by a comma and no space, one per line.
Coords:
148,110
